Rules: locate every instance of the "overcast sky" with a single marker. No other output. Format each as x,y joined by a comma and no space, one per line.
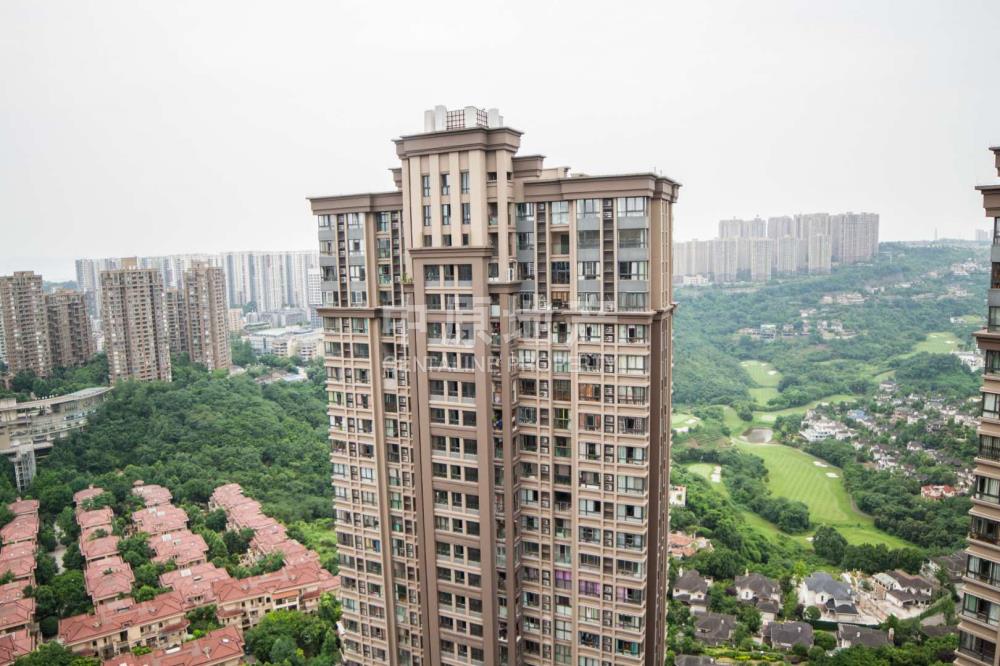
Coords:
184,126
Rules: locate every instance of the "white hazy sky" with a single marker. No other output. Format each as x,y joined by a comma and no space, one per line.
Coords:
182,126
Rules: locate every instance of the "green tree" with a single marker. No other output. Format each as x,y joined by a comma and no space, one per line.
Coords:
829,544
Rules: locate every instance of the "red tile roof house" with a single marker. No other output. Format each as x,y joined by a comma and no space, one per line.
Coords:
22,528
94,550
11,592
222,647
227,496
20,567
14,645
17,615
194,584
21,507
151,494
108,580
98,519
293,552
244,602
161,519
82,496
185,548
156,623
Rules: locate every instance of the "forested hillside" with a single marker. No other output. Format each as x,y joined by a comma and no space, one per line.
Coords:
198,432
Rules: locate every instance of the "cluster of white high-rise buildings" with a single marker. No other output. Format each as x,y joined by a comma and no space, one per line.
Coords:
271,281
754,250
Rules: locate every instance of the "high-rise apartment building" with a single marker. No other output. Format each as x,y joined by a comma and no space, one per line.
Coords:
134,321
176,315
71,340
497,340
24,323
979,626
207,321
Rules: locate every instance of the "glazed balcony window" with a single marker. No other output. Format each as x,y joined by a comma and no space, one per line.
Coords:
980,609
977,648
991,405
987,489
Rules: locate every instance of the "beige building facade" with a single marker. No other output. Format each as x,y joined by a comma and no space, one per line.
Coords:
23,323
207,317
979,626
497,340
135,327
71,339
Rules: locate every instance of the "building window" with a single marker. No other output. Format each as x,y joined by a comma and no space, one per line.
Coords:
445,213
631,206
991,405
466,213
588,240
464,182
427,216
989,447
632,238
445,183
987,489
633,270
425,182
559,212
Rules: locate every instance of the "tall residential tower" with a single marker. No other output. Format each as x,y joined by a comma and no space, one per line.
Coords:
134,320
23,323
497,341
979,629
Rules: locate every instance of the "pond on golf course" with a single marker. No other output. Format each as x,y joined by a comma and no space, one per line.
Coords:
759,435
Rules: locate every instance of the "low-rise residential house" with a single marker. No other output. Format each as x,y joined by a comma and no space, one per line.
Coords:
786,635
932,492
194,584
97,549
17,615
691,589
763,592
715,628
685,545
88,493
833,598
851,635
222,647
16,644
112,630
108,579
820,429
22,528
161,519
905,595
678,495
96,519
151,494
19,562
185,548
21,507
954,566
245,601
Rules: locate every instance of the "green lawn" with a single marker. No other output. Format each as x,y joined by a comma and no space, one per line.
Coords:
704,470
762,373
749,517
941,342
762,394
793,474
683,420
